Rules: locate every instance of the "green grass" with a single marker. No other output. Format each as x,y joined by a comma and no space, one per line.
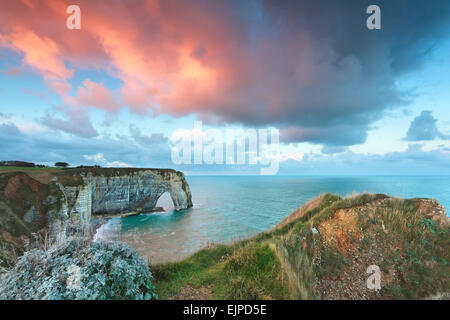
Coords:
249,271
253,272
286,262
25,169
422,260
73,176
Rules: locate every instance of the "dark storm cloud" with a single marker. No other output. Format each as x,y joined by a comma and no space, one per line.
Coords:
337,135
424,127
320,70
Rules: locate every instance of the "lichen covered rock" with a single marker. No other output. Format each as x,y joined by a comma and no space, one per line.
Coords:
79,269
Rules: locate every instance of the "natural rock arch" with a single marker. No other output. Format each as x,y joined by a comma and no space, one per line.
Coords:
138,191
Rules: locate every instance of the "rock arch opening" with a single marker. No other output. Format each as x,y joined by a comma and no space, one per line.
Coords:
165,202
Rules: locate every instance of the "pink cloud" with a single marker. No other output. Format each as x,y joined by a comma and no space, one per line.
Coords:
96,95
293,64
41,53
167,54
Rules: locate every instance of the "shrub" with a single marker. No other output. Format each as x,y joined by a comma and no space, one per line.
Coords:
61,164
79,269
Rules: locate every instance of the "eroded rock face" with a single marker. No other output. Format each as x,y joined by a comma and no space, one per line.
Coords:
136,191
65,204
115,192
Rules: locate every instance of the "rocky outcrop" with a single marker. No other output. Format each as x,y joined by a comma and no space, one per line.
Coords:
63,201
119,191
135,191
138,191
368,246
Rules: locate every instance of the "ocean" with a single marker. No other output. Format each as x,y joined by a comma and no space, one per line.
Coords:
229,208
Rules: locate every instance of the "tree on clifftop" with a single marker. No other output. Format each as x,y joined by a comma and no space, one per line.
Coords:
61,164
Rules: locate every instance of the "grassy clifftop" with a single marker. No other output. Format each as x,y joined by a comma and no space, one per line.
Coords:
72,176
322,251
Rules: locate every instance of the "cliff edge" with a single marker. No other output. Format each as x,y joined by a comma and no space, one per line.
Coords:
368,246
61,201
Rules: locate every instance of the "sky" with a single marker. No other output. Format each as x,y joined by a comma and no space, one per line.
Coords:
345,99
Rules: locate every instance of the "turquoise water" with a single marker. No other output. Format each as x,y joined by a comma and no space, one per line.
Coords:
230,208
